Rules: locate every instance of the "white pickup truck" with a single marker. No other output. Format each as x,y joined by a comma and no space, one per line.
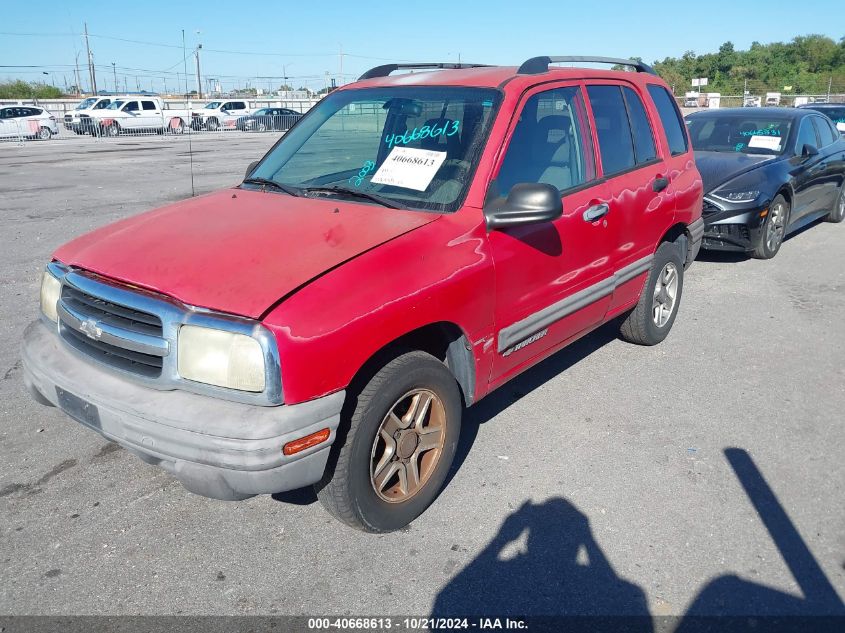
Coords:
139,114
83,118
219,114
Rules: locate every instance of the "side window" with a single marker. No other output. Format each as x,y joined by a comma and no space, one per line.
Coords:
825,134
102,104
148,105
131,106
640,127
613,129
550,143
806,136
670,117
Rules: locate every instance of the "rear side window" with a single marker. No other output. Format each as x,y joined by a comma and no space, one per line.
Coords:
640,127
613,129
670,117
826,135
148,105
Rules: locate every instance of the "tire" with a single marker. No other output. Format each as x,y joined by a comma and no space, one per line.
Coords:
261,126
361,458
212,125
837,213
179,129
112,129
45,134
774,229
644,325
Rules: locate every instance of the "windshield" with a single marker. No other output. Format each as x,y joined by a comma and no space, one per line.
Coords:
213,105
415,146
751,134
115,105
86,103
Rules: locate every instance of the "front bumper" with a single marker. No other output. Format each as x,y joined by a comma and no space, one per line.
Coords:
733,229
216,448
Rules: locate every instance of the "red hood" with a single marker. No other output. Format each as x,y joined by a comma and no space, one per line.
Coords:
235,250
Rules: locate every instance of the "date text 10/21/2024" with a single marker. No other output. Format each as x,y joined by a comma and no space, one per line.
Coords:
378,624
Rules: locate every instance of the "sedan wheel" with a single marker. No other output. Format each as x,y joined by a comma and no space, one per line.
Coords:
45,134
837,214
774,229
262,127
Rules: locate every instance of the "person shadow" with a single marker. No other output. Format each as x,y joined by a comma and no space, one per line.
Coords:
543,564
544,567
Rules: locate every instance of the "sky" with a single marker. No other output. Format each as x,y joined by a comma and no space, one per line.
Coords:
254,44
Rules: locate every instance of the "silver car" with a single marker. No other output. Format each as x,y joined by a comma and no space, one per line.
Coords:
29,122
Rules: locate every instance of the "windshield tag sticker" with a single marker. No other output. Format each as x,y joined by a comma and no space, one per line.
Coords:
409,168
765,142
366,169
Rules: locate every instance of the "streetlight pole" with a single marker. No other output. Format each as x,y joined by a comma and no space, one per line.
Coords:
199,80
114,71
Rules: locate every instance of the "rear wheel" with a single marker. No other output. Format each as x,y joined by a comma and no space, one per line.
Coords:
112,129
837,213
652,318
261,126
45,134
774,228
212,124
177,126
400,442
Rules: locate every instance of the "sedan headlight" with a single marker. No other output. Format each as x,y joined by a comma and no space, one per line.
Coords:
738,196
51,289
221,358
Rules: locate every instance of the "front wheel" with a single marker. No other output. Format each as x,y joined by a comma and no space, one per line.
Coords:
774,229
399,443
262,126
113,129
837,213
652,318
212,125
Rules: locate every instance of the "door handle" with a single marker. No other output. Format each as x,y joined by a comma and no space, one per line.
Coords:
660,183
596,212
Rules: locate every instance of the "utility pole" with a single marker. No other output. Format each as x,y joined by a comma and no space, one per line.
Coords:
199,80
76,78
114,70
829,86
91,73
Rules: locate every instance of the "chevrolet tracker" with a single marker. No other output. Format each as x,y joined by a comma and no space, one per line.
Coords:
411,244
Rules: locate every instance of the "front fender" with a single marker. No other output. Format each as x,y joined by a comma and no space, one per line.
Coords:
329,329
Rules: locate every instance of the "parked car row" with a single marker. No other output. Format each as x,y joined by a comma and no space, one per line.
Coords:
411,245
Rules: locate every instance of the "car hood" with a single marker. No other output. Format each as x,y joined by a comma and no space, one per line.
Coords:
716,168
237,251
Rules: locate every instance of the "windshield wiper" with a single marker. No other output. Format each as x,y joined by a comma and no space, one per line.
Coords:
266,182
334,189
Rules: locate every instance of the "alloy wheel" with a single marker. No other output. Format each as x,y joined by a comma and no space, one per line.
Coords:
408,445
775,226
665,293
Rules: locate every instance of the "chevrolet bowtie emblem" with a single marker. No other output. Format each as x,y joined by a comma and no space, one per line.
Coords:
90,328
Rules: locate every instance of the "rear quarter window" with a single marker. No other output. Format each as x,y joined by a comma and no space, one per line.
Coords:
670,118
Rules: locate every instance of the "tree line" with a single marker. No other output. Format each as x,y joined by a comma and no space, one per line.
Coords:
807,64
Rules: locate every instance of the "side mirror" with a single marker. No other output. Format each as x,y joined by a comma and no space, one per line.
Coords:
809,150
251,168
527,203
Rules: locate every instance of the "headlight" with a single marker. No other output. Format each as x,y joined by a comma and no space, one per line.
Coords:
221,358
51,289
738,196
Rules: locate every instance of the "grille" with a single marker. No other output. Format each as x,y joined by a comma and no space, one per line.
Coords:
95,314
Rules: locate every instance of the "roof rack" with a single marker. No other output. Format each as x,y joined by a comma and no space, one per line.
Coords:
386,69
537,65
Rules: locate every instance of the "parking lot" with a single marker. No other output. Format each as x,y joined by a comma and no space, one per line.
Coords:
597,482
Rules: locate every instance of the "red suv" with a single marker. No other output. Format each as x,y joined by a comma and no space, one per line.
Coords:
411,244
